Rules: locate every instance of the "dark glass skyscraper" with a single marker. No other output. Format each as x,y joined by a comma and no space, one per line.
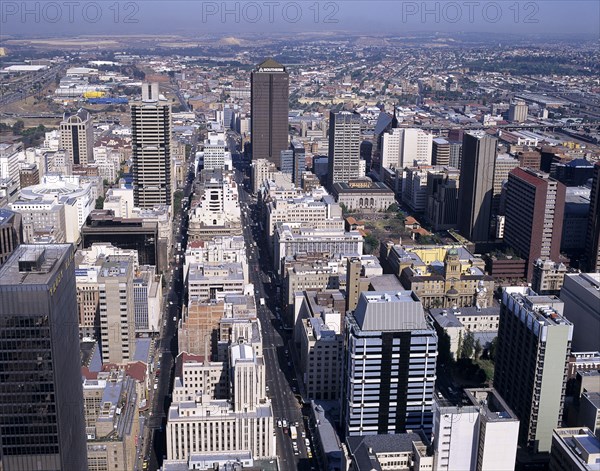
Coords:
41,399
269,111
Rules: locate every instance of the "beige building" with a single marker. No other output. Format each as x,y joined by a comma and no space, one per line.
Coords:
364,194
548,276
321,348
200,424
117,320
442,276
112,421
77,137
262,170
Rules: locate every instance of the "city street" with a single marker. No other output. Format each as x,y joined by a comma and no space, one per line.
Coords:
280,372
167,348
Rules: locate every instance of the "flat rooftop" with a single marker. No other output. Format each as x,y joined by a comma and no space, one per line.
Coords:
33,264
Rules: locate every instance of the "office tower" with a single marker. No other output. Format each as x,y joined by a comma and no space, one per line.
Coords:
389,368
455,158
534,215
476,186
269,110
479,435
215,154
581,294
41,399
344,147
11,233
117,315
504,164
440,151
534,343
353,272
77,137
151,149
517,111
442,199
576,172
406,147
286,162
574,449
10,179
592,240
299,162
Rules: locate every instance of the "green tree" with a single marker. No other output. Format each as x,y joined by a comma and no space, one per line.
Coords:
492,349
477,348
468,346
392,208
18,127
99,202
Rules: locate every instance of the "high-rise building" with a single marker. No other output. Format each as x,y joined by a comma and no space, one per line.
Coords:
151,149
455,154
534,343
269,110
117,314
344,147
479,436
77,136
534,215
286,162
440,151
41,400
592,240
476,186
11,233
406,147
517,111
504,164
581,294
389,368
299,162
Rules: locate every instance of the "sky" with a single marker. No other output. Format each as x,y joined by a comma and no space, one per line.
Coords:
231,18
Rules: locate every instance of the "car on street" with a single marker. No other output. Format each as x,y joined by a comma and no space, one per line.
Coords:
174,318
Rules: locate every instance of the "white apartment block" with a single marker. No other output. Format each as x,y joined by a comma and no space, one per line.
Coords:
479,436
215,154
220,249
403,147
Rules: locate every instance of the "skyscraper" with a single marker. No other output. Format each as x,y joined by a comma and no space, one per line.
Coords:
269,110
403,147
592,241
534,343
117,314
41,399
389,368
151,147
344,147
476,186
440,152
77,136
517,111
534,215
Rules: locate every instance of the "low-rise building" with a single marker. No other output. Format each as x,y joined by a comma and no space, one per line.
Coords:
364,195
442,276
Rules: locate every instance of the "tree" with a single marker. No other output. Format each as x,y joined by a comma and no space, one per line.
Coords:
477,349
468,346
99,202
392,208
344,209
492,349
18,127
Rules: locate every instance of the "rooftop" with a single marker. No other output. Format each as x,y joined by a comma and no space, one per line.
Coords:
33,264
389,311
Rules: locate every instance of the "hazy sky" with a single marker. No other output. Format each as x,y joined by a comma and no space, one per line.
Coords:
195,17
